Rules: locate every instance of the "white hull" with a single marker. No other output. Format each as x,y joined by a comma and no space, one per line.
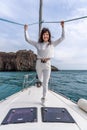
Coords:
31,97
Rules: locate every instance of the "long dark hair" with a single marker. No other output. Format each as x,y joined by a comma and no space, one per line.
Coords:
44,30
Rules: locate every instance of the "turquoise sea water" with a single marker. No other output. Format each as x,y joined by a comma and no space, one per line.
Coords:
70,83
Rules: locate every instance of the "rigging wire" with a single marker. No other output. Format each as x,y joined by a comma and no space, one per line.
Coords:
66,20
75,19
5,20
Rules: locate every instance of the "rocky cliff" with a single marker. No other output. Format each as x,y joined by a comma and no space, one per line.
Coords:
22,60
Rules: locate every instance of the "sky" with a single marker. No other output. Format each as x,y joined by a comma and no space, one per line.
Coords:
71,54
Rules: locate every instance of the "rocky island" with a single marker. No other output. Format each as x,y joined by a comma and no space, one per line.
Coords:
22,60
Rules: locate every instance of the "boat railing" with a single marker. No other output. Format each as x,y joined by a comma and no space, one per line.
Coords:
29,79
32,79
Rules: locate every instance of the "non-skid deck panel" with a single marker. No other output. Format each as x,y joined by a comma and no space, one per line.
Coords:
52,114
21,115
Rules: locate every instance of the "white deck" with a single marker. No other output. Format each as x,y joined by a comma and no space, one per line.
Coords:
31,97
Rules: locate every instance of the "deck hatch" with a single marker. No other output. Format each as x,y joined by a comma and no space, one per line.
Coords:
51,114
21,115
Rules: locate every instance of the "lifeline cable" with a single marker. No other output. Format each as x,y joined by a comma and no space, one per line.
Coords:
5,20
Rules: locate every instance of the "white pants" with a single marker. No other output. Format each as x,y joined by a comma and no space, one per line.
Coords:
43,72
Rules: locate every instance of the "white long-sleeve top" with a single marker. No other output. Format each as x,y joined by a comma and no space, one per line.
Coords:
43,49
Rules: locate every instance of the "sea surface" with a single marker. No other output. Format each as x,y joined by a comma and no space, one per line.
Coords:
70,83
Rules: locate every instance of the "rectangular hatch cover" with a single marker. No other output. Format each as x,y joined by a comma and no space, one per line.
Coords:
52,114
21,115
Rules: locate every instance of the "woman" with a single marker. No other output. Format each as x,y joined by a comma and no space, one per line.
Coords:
45,51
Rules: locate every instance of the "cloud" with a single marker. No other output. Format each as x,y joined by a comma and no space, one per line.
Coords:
71,53
5,10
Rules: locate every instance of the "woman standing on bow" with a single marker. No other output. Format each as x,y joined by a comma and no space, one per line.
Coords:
45,51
